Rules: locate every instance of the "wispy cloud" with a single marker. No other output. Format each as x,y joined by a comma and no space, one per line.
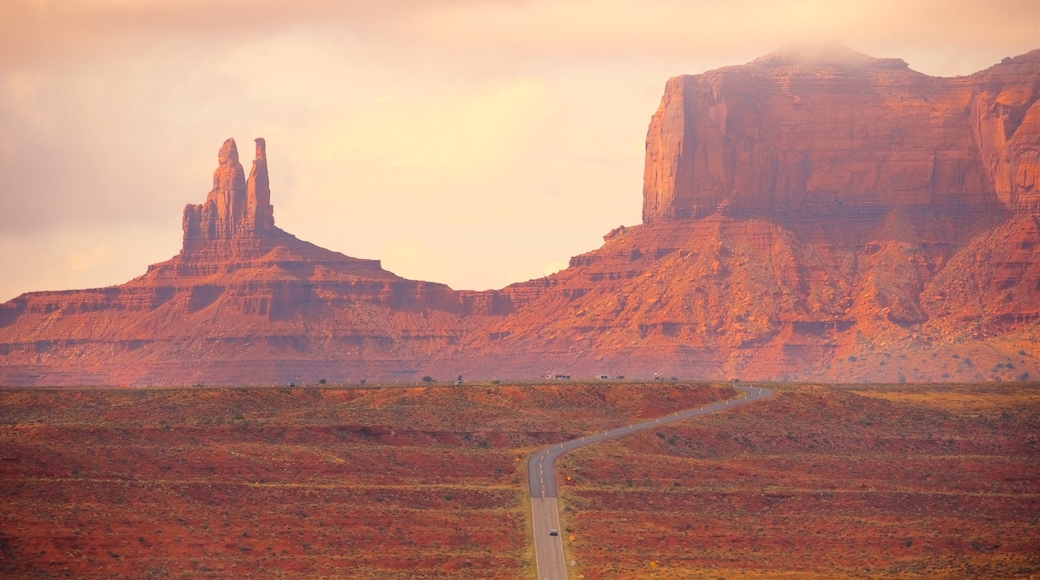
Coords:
489,121
47,29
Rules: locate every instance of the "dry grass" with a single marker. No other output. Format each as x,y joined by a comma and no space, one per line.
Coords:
403,482
963,398
908,482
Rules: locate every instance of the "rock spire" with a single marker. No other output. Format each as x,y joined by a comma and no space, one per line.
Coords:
237,210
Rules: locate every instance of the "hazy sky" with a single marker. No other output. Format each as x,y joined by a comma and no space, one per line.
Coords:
475,143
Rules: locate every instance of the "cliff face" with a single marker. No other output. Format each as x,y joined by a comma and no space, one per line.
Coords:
811,208
810,215
834,134
747,297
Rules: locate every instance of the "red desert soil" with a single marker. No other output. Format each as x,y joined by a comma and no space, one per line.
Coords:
394,482
818,482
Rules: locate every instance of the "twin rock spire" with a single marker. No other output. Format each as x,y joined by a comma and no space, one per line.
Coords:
237,210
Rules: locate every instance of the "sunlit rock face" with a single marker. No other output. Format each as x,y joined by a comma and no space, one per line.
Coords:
237,213
242,303
825,132
814,205
816,214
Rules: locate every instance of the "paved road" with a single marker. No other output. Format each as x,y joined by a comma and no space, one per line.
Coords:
541,479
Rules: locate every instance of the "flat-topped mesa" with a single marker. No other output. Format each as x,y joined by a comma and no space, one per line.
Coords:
237,211
808,132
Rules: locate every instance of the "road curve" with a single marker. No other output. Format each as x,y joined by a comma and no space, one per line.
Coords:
541,479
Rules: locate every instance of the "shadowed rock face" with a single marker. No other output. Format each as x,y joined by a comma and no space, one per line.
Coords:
815,214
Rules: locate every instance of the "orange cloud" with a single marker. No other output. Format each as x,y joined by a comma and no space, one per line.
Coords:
488,120
32,30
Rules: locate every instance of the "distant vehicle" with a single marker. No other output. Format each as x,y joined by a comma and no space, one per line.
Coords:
553,532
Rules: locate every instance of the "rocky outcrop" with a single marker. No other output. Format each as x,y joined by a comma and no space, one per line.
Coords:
237,213
747,297
829,133
813,207
812,215
242,303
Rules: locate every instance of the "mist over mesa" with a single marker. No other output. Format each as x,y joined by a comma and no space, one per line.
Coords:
469,143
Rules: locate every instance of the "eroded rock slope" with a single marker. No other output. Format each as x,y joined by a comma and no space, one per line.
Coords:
813,214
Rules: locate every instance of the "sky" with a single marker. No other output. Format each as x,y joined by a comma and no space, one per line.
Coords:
470,142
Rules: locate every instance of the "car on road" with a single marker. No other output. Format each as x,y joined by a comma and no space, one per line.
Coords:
553,532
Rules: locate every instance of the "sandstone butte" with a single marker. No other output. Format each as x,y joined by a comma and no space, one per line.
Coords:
815,214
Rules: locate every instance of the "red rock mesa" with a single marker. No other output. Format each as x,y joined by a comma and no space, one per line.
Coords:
816,214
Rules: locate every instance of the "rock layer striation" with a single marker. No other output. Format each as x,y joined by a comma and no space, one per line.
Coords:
237,213
242,303
815,214
828,132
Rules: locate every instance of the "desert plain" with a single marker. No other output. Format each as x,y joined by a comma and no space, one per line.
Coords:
427,481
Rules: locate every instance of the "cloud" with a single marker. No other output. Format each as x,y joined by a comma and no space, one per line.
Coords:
34,30
81,257
498,136
455,131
